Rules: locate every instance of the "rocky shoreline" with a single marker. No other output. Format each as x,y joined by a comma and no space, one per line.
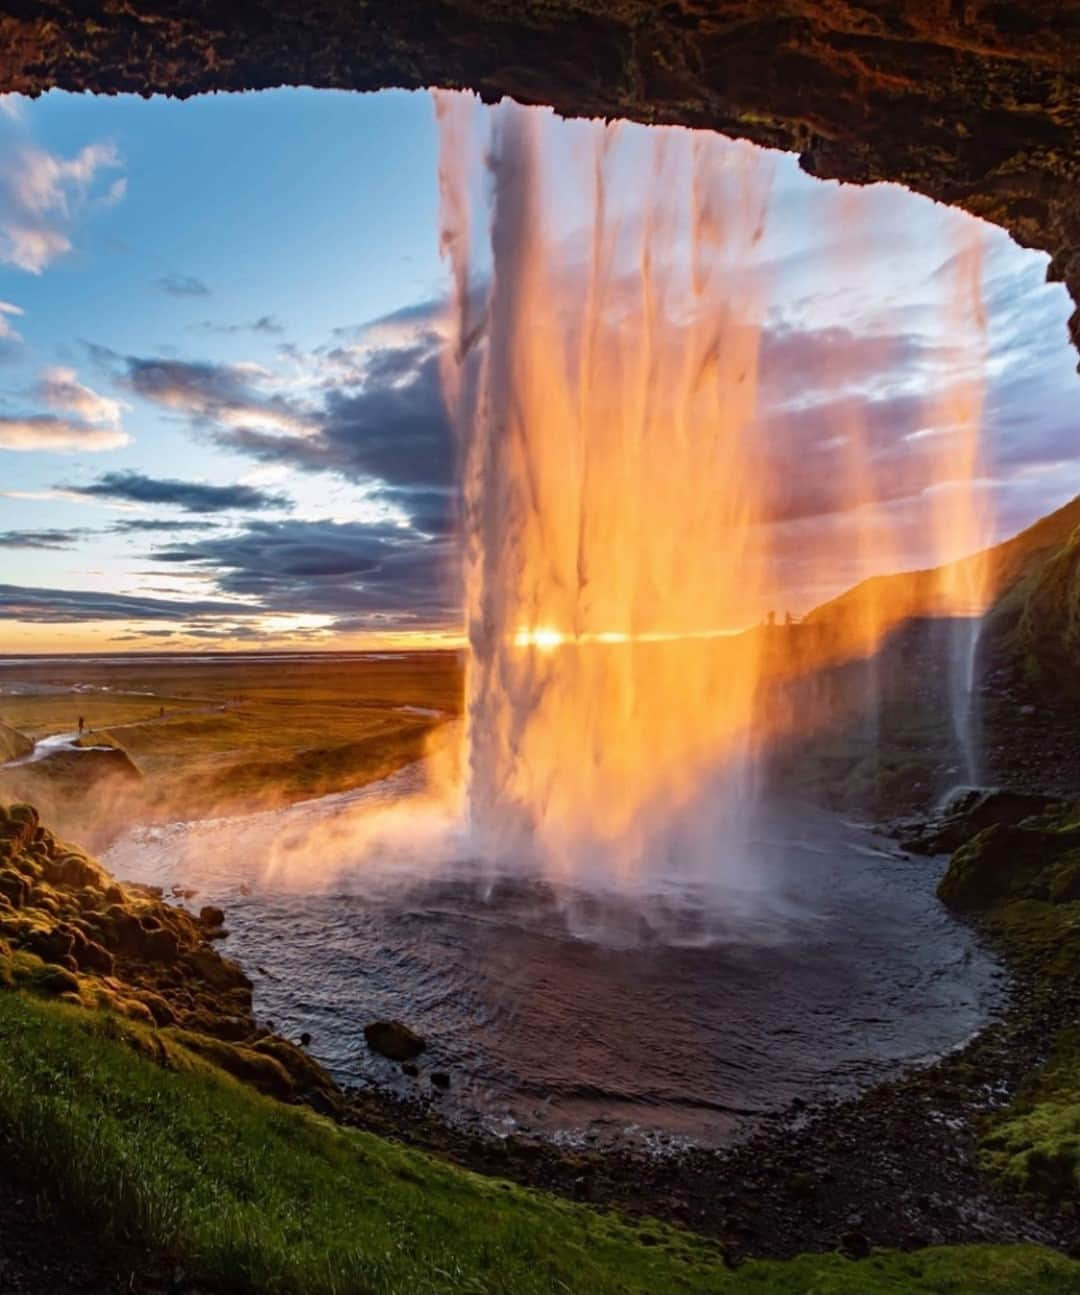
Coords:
898,1166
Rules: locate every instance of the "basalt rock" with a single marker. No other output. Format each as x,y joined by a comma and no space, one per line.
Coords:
394,1040
69,930
972,812
974,104
1038,860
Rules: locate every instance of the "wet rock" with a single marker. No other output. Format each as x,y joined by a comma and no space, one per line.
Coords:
14,887
58,980
211,916
219,972
440,1079
410,1069
72,870
972,812
855,1245
50,946
394,1040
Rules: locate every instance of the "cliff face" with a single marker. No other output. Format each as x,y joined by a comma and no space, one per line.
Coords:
973,102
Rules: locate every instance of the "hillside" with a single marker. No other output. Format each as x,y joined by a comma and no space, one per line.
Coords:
13,744
874,691
1012,571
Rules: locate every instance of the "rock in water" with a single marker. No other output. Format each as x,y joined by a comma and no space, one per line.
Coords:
394,1040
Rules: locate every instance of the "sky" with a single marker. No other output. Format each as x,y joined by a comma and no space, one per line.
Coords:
221,424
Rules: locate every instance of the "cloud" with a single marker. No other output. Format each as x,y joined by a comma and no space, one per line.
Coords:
60,389
183,285
45,539
50,433
191,496
225,394
265,324
115,193
70,606
161,525
329,568
33,248
95,427
8,332
41,197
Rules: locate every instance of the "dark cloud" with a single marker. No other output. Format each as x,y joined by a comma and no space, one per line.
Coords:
394,431
192,496
139,525
183,285
225,394
45,539
69,606
329,568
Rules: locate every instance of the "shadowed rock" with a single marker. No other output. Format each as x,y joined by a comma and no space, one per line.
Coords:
69,930
394,1040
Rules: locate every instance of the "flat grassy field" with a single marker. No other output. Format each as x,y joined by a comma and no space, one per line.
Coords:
272,1198
224,735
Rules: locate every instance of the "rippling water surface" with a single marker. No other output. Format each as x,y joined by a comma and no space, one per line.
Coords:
658,1011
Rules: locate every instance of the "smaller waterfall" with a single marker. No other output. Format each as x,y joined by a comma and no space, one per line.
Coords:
963,650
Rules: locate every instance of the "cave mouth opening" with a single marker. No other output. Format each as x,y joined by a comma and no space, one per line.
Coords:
867,393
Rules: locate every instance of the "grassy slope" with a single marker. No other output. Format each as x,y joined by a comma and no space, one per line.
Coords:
1007,566
273,1198
1024,884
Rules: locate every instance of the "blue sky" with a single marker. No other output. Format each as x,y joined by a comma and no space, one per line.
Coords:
244,293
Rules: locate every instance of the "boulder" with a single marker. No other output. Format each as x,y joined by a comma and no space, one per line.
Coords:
14,887
51,946
394,1040
972,812
211,916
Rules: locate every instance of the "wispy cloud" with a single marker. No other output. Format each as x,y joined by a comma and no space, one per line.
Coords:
47,432
96,424
268,325
70,606
42,196
8,331
60,389
229,395
183,285
43,539
191,496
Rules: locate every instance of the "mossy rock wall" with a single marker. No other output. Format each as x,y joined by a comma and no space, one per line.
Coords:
69,930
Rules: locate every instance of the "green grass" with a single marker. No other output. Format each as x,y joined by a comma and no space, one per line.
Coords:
237,735
1035,1146
275,1199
